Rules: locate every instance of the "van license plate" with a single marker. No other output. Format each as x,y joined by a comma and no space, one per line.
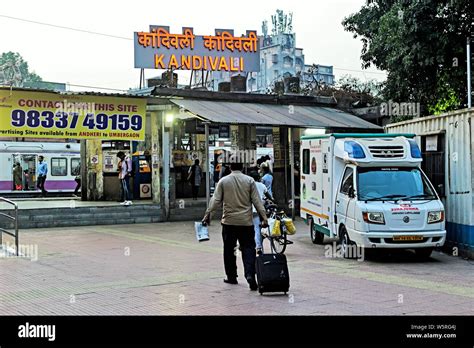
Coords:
407,238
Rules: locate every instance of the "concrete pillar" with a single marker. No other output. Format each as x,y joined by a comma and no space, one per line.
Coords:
172,179
281,170
243,141
234,136
155,155
247,143
167,137
94,164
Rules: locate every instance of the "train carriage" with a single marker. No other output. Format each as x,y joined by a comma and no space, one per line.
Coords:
63,161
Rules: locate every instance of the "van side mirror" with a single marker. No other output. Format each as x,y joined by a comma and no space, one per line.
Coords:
351,193
441,191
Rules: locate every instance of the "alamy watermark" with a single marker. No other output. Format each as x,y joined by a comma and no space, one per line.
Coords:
394,109
239,156
352,251
71,107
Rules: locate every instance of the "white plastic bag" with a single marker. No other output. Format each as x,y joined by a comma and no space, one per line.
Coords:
202,233
271,223
271,227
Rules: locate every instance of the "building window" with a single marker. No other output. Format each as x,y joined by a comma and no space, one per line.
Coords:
288,61
58,166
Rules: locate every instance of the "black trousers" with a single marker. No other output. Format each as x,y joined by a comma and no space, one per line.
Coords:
246,237
78,186
40,183
195,191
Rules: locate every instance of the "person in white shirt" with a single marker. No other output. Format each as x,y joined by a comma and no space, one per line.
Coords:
262,191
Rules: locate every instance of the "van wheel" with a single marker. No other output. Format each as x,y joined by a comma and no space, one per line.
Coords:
424,253
348,247
316,236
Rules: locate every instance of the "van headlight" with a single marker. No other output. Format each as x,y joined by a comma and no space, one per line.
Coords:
435,216
374,218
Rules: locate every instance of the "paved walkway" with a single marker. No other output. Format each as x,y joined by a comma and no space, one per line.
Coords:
65,202
160,269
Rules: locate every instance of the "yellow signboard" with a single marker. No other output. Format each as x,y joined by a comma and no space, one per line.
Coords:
51,115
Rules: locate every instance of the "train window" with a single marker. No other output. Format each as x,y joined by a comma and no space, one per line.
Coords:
58,166
75,166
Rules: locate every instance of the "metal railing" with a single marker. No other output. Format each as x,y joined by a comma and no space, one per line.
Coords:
15,224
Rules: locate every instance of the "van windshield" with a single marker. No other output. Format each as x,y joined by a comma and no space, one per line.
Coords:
393,183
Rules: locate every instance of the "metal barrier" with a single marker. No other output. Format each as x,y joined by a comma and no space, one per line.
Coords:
15,223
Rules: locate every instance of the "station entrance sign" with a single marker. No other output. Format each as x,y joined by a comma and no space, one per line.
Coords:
50,115
159,49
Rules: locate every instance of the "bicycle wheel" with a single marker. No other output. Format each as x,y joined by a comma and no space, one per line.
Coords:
278,244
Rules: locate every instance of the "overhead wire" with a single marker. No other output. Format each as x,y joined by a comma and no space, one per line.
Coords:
130,39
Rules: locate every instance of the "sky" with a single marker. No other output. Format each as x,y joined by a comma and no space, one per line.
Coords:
79,58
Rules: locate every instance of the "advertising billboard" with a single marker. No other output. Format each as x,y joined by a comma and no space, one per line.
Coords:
50,115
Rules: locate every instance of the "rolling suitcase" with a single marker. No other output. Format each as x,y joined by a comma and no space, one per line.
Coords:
272,273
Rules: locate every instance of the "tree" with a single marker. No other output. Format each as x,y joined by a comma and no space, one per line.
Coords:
349,92
14,70
353,84
422,46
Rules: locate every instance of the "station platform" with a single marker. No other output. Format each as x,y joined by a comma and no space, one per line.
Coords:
62,202
52,212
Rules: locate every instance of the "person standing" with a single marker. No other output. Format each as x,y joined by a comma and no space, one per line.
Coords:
263,162
236,193
195,177
18,177
42,174
125,169
267,179
26,176
268,163
225,170
77,179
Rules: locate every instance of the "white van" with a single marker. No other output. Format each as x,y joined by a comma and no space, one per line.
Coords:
369,191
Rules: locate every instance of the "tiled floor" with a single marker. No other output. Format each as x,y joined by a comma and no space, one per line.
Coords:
160,269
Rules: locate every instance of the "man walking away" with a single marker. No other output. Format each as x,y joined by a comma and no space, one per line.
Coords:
195,176
236,193
42,174
125,168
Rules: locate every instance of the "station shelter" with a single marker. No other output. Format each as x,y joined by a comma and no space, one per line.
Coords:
198,124
174,127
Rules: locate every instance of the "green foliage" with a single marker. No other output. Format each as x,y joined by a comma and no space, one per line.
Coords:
353,84
16,58
448,101
418,43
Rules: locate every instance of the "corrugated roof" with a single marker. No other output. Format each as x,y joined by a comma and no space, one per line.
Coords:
277,115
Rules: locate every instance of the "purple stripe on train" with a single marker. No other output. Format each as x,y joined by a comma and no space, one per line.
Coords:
50,185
